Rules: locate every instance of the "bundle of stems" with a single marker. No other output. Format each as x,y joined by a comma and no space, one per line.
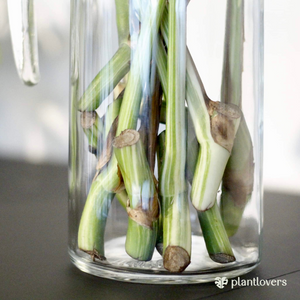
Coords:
158,63
140,241
213,230
215,236
141,237
215,125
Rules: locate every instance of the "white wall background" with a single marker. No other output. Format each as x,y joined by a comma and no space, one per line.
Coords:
34,121
282,94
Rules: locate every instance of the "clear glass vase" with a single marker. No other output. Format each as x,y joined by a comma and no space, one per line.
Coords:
166,139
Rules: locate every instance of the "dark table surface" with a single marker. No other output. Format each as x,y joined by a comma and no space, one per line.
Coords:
34,263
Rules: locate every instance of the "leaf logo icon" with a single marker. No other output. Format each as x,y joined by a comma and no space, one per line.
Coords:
221,282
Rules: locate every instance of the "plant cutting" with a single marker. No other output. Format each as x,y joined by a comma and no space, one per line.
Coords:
155,81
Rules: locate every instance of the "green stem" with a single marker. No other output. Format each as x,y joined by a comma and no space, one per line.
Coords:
214,233
192,150
106,80
231,88
122,16
238,177
139,67
109,131
122,198
139,245
238,180
111,113
93,128
143,209
95,212
173,186
93,221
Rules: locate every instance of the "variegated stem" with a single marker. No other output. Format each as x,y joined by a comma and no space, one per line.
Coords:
215,125
192,142
173,186
192,150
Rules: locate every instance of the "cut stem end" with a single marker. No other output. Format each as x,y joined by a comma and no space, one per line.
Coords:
94,254
222,258
176,259
127,138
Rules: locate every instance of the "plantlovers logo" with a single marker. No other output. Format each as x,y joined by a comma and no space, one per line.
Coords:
221,282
